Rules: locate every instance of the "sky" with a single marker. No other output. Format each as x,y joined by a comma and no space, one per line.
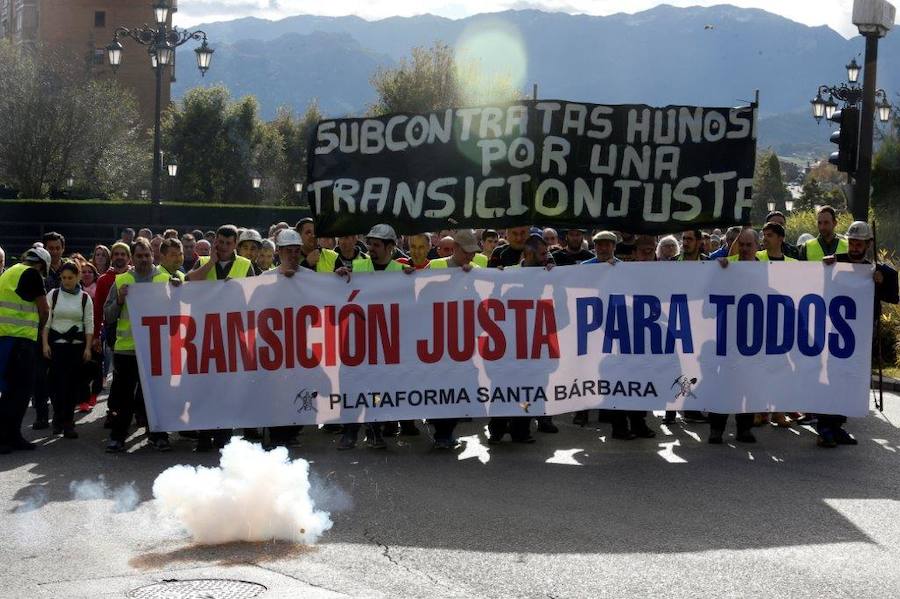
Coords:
834,13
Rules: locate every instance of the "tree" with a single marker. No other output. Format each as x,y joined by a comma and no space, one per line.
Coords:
823,185
768,186
811,195
220,145
886,174
295,134
434,79
55,122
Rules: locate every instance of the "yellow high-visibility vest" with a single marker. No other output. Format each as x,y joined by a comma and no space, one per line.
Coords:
763,256
124,338
364,264
443,263
815,252
239,268
327,260
18,318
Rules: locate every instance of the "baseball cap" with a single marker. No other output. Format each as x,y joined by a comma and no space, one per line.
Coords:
860,231
250,235
382,232
605,236
35,255
288,237
465,239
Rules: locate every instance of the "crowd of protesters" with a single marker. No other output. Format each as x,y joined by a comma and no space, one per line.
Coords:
64,325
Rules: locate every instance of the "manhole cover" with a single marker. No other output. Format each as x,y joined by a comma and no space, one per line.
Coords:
208,588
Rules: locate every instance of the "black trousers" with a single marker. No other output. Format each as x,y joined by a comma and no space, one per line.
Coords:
743,422
282,435
351,429
68,383
829,422
443,428
126,397
41,395
625,420
95,368
519,428
19,380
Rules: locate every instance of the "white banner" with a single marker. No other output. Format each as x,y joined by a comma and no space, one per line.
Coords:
270,350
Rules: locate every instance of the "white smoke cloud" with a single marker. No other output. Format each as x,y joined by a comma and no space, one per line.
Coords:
125,498
254,495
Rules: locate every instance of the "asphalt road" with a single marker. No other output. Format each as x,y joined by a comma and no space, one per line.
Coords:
574,515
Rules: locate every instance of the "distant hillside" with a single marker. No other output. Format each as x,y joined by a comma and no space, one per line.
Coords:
715,56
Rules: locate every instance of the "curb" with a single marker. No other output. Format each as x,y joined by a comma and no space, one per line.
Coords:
888,384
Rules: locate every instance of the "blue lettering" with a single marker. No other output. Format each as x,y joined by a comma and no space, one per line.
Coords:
843,332
644,322
752,346
617,326
721,302
679,325
780,317
585,324
815,346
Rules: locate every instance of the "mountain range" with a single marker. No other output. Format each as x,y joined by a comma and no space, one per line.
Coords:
716,56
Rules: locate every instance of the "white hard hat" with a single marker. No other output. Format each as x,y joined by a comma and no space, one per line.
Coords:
288,237
250,235
383,232
860,231
804,238
38,255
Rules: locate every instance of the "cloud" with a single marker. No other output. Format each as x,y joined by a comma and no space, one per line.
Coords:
834,13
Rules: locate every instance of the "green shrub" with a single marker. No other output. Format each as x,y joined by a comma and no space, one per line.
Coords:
804,221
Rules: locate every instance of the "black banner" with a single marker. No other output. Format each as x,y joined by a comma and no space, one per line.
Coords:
549,162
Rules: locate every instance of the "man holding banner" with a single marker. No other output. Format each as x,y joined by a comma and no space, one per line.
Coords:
381,241
126,398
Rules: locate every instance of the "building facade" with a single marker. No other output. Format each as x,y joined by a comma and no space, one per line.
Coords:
82,29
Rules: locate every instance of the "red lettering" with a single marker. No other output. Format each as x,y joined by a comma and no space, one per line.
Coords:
272,356
330,336
430,357
545,330
182,342
461,353
352,356
241,338
313,357
213,347
493,333
521,308
289,337
378,331
155,324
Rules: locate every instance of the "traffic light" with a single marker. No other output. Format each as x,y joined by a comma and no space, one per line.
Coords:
846,138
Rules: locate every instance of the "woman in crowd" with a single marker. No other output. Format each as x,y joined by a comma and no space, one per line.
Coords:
667,248
101,259
89,276
67,344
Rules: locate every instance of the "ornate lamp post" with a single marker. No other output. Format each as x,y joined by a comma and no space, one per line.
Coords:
874,19
161,41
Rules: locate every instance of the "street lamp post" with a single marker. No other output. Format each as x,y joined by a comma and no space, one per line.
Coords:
873,18
161,42
172,168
